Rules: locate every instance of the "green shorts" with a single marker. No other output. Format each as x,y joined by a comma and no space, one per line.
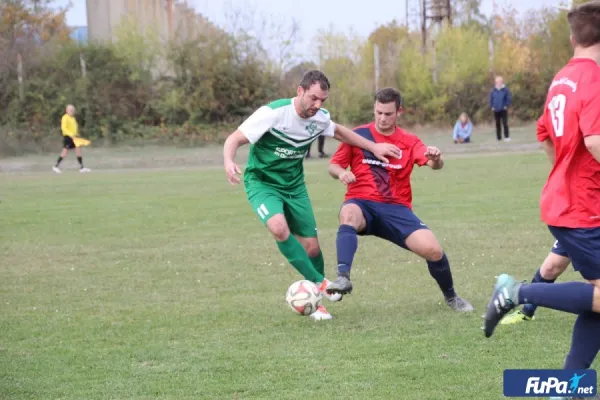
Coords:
297,209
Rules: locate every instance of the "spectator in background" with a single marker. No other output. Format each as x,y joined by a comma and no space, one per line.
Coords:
500,100
321,148
463,129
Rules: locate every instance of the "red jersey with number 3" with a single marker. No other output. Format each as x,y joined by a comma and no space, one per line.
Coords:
376,180
571,196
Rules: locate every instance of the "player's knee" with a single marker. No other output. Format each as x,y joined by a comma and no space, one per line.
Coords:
352,215
553,266
433,252
278,227
550,271
312,248
310,245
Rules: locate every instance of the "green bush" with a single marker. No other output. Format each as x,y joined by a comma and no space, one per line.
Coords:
193,92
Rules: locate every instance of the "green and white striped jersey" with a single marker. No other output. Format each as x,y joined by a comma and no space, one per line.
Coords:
279,140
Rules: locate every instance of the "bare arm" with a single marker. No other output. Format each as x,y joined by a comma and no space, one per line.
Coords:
593,145
436,164
338,172
380,150
335,170
352,138
434,158
232,143
548,147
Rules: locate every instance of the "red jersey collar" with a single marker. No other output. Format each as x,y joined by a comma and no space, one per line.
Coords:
577,60
374,130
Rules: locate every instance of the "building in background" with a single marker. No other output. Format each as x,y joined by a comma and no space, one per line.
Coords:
173,19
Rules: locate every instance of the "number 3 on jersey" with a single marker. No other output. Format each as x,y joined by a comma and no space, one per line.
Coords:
557,112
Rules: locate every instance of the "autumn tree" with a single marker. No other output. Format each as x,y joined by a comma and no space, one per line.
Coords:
30,31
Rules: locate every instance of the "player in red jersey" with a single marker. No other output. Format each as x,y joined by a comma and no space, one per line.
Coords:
570,201
379,198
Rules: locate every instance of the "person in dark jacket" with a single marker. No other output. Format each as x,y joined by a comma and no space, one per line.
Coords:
500,100
322,153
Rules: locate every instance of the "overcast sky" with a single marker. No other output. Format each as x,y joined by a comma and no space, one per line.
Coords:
337,12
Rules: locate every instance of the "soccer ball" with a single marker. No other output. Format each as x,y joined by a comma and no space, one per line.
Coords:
304,297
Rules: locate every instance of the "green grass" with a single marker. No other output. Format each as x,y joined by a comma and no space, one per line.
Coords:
163,284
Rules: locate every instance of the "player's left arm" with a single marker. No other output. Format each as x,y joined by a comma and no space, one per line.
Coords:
434,158
250,131
427,155
589,122
380,150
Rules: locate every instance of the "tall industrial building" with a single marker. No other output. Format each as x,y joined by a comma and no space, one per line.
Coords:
173,19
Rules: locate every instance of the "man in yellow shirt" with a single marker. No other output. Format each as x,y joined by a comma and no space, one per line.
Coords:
68,125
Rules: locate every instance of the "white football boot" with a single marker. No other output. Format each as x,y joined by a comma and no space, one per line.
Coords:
321,314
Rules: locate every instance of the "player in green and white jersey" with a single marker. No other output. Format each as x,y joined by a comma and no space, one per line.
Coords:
280,134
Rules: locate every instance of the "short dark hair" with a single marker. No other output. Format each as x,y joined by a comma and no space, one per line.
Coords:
314,77
584,21
389,95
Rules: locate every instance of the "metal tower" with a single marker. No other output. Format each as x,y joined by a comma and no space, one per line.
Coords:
433,14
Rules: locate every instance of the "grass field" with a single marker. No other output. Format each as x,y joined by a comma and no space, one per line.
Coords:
144,284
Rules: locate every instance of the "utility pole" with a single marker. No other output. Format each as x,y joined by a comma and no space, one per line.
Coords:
376,65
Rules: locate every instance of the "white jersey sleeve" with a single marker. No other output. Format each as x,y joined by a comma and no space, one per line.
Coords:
330,130
259,123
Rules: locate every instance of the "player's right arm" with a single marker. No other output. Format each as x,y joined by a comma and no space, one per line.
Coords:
379,150
338,166
250,131
544,138
589,121
232,143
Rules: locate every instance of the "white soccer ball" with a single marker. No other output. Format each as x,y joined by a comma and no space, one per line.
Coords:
304,297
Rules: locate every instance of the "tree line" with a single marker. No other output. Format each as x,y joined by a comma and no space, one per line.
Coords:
141,88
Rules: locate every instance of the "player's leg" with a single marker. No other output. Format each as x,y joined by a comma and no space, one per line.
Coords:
67,144
402,227
301,219
583,247
585,340
553,266
80,160
354,219
302,223
268,204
